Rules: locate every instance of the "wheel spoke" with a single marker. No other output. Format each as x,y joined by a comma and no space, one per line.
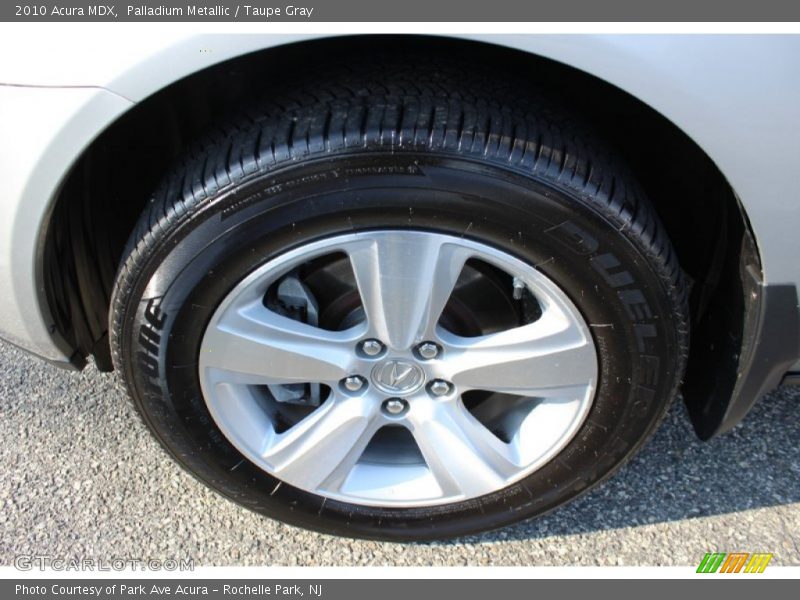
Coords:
464,457
405,280
540,359
254,345
323,448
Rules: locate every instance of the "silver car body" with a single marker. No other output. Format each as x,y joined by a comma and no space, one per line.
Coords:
736,96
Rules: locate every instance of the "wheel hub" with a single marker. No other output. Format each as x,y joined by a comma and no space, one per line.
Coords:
398,377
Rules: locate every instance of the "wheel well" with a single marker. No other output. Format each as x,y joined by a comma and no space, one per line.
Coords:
107,189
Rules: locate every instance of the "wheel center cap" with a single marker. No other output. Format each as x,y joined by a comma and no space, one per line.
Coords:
398,377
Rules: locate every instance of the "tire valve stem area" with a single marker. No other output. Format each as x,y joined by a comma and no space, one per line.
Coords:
518,288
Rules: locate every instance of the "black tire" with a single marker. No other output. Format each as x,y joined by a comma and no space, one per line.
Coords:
436,151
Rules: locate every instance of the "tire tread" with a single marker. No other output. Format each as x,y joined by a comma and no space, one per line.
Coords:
447,108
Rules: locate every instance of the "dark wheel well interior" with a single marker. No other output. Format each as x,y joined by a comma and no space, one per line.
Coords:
110,184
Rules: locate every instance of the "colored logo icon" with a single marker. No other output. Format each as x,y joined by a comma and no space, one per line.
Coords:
736,562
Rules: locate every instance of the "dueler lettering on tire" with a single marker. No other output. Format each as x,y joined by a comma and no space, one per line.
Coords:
396,304
149,344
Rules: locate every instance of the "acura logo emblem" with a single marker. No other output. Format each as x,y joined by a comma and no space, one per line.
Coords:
398,377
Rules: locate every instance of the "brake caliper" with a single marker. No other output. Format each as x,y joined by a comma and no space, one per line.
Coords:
295,300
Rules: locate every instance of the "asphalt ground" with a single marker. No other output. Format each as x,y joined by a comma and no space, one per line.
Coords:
81,477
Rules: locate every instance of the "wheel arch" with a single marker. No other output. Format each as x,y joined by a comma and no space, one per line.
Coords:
93,213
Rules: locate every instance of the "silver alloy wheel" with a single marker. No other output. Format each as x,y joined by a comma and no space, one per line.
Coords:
404,279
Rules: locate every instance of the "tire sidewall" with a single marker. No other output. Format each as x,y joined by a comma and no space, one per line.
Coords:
568,237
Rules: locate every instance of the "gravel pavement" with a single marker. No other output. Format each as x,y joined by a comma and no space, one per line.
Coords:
81,477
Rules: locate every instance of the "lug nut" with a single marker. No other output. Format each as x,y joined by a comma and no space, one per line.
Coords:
372,347
353,383
395,406
439,387
428,350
